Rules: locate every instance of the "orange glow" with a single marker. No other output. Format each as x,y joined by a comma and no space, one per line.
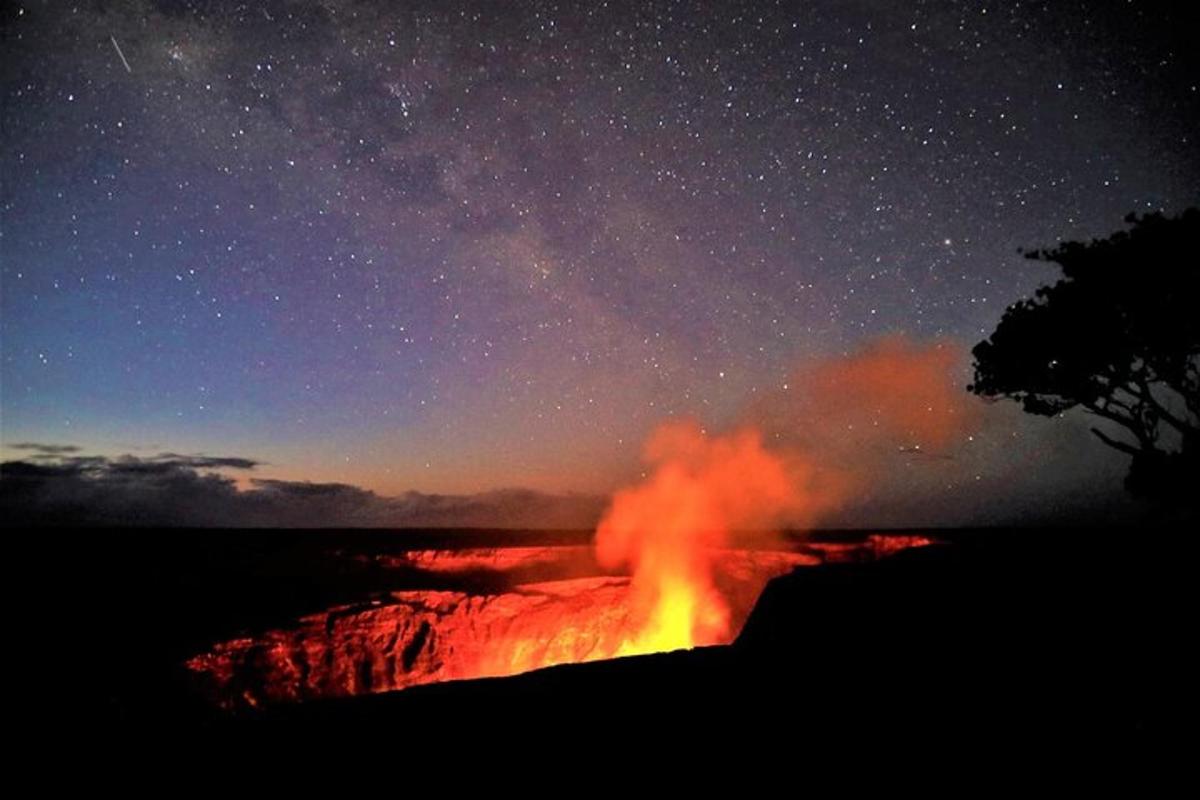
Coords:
905,387
417,637
896,392
671,568
668,529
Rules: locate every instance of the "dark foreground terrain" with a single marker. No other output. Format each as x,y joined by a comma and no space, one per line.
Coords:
1038,638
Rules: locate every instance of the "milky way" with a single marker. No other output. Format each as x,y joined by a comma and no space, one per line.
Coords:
457,247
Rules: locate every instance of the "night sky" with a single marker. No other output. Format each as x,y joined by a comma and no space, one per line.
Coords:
461,247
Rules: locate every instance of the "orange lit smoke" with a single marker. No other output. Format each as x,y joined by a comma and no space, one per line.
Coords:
894,393
702,490
668,529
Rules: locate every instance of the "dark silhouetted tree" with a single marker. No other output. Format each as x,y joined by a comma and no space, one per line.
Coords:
1119,336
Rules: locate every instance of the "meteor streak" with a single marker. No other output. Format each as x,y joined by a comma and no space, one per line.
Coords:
113,39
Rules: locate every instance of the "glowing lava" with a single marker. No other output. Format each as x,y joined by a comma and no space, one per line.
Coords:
669,529
407,638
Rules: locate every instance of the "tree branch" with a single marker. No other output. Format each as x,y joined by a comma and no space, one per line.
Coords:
1114,443
1120,419
1113,401
1133,423
1146,395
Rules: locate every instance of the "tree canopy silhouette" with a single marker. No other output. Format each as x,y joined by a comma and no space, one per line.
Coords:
1119,336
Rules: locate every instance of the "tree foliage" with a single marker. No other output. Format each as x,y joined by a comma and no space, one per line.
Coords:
1118,336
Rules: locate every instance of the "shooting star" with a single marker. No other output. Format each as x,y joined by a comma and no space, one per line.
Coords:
122,55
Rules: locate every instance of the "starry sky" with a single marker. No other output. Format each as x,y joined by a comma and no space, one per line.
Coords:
459,247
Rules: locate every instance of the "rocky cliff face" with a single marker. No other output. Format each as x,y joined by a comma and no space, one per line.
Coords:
418,637
405,638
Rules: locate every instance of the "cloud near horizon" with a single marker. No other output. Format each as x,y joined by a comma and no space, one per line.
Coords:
889,422
58,488
45,450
